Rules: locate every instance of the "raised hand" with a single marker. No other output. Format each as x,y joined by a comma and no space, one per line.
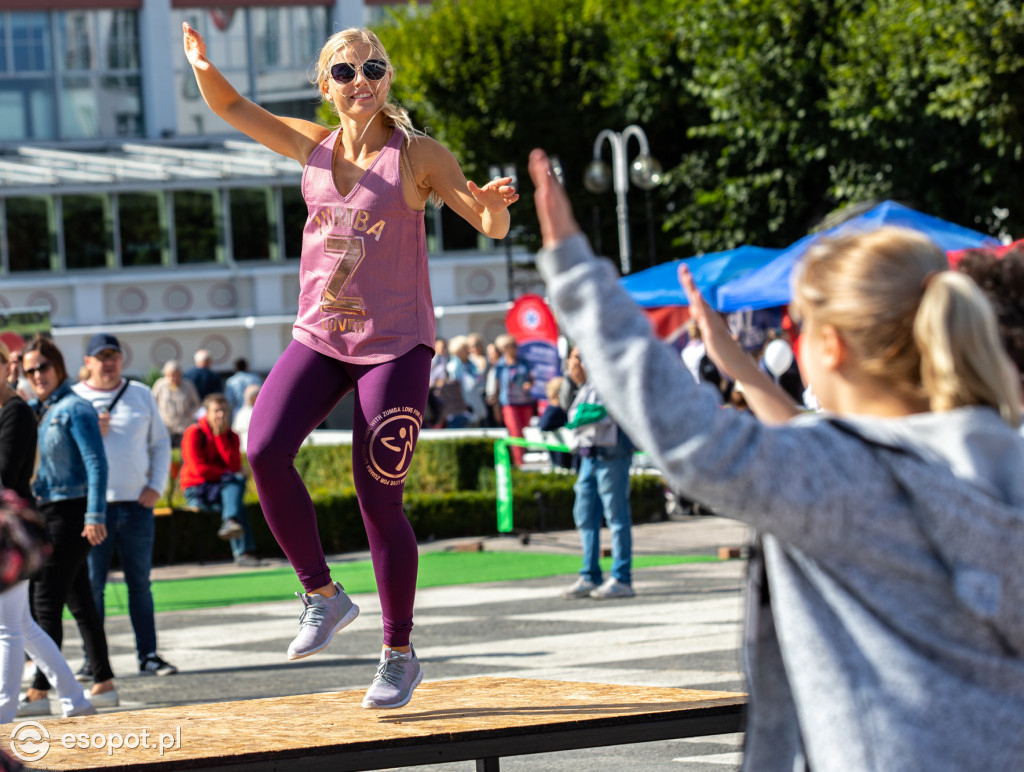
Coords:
765,398
727,354
553,208
195,47
496,195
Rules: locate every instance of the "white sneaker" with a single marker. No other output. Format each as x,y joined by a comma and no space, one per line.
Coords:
34,708
321,619
85,709
107,699
581,589
398,674
613,588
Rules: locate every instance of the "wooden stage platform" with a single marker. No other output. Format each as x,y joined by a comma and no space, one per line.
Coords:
475,718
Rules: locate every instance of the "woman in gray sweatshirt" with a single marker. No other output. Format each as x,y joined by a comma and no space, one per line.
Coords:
885,620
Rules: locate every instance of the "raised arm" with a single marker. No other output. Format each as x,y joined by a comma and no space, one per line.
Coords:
765,398
437,171
291,137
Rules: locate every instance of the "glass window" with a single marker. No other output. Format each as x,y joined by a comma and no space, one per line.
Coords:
77,44
87,232
267,24
143,224
310,27
100,106
30,41
287,44
197,226
96,85
79,113
30,237
119,40
295,214
3,42
224,32
26,109
253,224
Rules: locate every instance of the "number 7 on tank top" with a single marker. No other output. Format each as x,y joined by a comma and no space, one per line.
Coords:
349,251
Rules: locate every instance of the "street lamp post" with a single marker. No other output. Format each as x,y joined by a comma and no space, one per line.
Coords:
645,173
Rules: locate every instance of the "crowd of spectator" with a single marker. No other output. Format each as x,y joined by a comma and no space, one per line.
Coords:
100,463
474,384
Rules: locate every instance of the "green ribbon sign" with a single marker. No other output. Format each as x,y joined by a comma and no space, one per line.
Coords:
503,474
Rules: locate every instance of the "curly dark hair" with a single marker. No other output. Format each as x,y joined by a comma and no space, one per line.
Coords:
1002,280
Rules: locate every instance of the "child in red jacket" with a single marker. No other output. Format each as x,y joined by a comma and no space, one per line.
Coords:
212,479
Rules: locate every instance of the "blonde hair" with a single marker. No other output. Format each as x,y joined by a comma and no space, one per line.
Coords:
5,353
929,334
963,361
457,345
503,341
392,113
552,387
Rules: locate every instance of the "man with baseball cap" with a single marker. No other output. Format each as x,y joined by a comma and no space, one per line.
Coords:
138,452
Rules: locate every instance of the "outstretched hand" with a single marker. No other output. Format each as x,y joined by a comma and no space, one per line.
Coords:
553,208
765,397
726,353
496,195
195,47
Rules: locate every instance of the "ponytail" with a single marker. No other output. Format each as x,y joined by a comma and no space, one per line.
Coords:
962,358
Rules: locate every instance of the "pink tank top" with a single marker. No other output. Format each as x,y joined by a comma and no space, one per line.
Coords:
364,291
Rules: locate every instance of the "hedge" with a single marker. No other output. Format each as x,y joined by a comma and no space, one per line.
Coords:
449,493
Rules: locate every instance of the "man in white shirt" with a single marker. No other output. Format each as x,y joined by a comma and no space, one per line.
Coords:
138,452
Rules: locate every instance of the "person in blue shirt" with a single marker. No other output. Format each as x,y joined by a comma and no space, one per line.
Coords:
514,382
203,377
237,383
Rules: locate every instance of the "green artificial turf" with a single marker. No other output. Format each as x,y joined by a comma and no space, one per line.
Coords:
437,569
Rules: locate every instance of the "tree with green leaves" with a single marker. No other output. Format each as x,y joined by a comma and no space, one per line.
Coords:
766,114
492,80
928,101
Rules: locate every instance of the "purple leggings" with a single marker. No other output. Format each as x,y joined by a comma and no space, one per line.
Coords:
301,390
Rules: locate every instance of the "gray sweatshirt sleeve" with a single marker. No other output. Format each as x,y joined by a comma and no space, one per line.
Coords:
799,481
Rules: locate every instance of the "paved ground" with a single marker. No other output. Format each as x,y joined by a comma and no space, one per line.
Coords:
681,630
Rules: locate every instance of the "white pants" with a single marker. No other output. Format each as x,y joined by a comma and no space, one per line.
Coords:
20,633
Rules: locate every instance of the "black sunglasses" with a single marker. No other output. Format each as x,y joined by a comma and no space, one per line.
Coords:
373,69
42,367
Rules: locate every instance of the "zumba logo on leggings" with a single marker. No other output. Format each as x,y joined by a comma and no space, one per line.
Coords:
389,442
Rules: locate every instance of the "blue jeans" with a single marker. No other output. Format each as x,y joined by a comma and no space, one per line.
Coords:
603,487
229,504
130,529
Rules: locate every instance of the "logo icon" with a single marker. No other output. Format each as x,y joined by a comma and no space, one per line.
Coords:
392,444
30,741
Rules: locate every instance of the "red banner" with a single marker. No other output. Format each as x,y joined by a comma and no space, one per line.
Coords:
531,319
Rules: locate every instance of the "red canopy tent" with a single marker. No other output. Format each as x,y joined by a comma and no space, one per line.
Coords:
957,254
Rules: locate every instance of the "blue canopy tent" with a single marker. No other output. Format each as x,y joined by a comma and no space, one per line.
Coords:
659,286
769,286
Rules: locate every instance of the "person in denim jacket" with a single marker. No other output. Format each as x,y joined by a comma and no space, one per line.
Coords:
71,488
